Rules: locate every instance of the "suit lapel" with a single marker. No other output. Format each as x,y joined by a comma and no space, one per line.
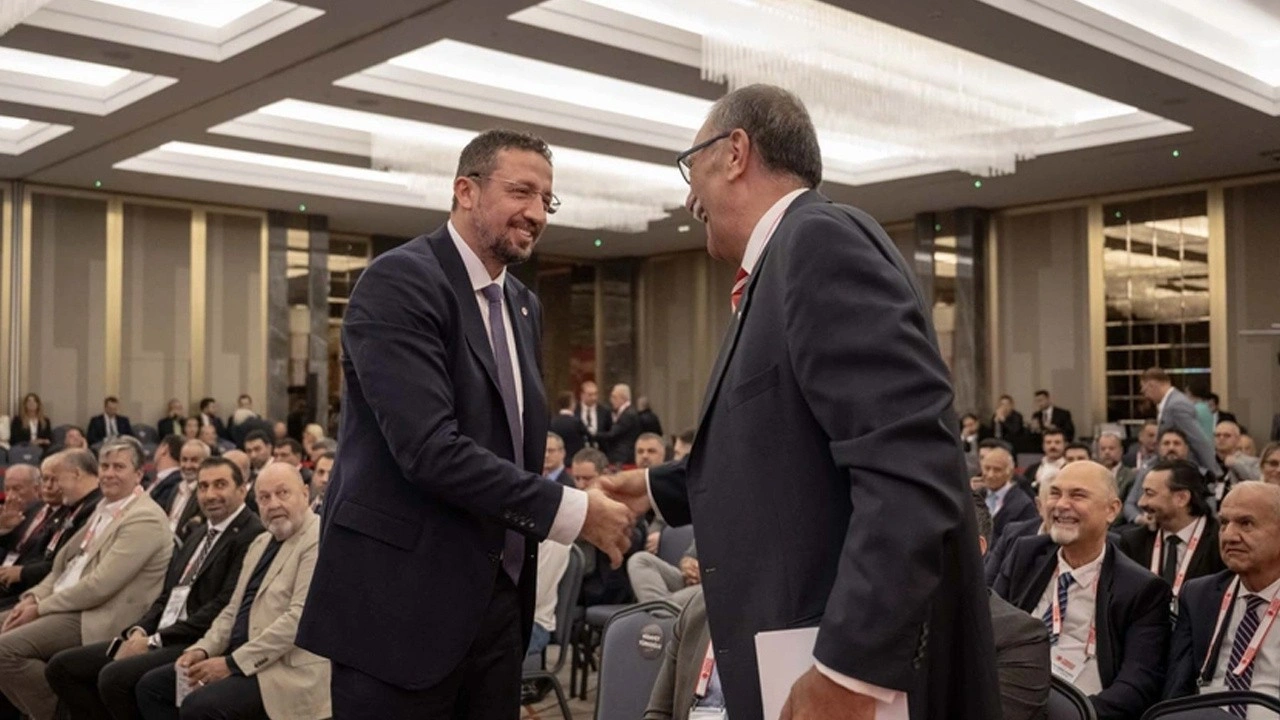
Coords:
1041,576
441,244
222,543
526,344
1107,661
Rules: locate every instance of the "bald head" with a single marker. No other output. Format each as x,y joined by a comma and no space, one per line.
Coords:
21,485
282,499
241,459
620,396
1083,502
997,468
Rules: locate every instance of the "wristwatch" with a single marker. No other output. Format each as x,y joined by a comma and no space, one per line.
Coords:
153,642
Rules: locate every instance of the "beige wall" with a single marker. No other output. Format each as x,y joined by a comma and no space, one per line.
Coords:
1043,311
1253,302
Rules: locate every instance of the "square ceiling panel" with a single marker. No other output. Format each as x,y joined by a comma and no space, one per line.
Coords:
57,82
211,31
18,135
1228,47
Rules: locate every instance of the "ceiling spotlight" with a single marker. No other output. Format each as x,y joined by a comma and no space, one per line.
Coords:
598,242
97,183
977,183
683,229
1177,153
302,207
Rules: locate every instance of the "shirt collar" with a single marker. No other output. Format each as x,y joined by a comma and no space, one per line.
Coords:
222,526
999,494
475,268
164,474
1085,574
764,230
112,507
1185,533
1163,400
1266,593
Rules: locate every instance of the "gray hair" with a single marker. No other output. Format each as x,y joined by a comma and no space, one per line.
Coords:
77,459
33,472
779,127
127,444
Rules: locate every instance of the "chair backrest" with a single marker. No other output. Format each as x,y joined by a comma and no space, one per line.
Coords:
566,601
673,542
146,434
24,453
1026,460
1067,702
632,650
1209,706
60,435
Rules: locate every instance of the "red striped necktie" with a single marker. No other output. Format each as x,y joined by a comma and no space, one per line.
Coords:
739,285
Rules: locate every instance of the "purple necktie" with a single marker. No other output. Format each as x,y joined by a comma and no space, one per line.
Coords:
513,551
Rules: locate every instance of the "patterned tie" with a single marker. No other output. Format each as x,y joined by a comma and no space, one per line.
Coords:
739,286
513,550
1244,635
194,569
1170,572
1064,583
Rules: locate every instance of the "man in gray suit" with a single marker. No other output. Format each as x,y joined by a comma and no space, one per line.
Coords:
1174,410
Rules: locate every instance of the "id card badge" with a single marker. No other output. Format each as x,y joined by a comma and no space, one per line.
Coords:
1068,669
176,608
182,687
11,559
707,713
71,575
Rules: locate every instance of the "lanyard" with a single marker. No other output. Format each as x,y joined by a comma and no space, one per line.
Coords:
1259,635
1092,642
1186,559
93,525
36,523
704,676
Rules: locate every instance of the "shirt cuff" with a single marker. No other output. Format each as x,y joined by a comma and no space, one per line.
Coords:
653,503
880,694
567,525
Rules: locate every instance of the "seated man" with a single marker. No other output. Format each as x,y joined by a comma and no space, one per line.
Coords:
601,584
246,665
168,471
553,561
1184,543
184,509
1204,658
1015,531
1110,453
320,480
1173,446
680,692
1082,590
23,508
201,578
1054,446
1002,499
24,546
1236,464
653,578
104,578
1076,452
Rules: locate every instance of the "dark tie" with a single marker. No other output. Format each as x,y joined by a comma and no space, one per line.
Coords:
1244,635
194,568
739,287
1170,572
513,550
1064,584
240,628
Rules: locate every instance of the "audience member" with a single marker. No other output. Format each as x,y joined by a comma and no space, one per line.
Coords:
209,416
1174,410
1216,646
1002,500
653,578
1054,446
1076,452
1173,446
1047,417
75,472
244,410
166,464
649,421
1146,450
553,467
311,435
1022,645
601,584
28,517
109,425
596,419
1247,446
183,509
1006,422
553,561
651,450
288,451
21,500
246,665
191,428
259,447
619,441
1215,410
74,439
209,436
568,426
90,682
1111,457
174,421
29,425
1269,461
683,444
1237,465
1108,617
1184,543
103,579
279,431
247,426
320,481
319,448
241,459
1014,532
681,691
970,427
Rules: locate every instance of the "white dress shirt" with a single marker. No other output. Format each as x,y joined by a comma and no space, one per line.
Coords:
1048,469
1184,536
220,528
111,426
180,498
1082,599
573,503
996,498
1266,666
1160,407
589,417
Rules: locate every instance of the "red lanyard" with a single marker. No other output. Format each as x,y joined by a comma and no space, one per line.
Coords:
93,524
1186,559
704,676
1093,622
1251,651
35,525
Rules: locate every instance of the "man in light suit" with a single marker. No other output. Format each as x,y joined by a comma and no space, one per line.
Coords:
832,356
247,665
105,577
109,425
438,495
1175,410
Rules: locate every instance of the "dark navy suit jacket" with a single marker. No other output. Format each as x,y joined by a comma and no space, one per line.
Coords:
1198,607
425,488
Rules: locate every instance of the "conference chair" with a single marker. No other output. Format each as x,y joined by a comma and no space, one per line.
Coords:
60,435
631,656
25,453
1209,706
535,668
1067,702
146,434
673,542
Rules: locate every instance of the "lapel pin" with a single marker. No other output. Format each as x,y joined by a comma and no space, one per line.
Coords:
524,311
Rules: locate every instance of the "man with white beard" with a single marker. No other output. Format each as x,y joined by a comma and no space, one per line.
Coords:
1108,617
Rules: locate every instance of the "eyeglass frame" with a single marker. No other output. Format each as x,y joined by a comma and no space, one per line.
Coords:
682,160
550,201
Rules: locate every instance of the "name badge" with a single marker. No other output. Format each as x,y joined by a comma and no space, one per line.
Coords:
181,688
707,713
11,559
71,575
1068,669
176,608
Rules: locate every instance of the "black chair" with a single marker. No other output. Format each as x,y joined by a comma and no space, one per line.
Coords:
1209,706
1067,702
25,454
674,542
146,434
632,651
535,668
60,435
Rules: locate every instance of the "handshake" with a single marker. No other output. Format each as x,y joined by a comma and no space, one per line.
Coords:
614,502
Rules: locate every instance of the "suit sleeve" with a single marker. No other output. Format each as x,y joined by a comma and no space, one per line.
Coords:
1139,681
204,615
1183,417
278,638
139,539
1023,668
396,321
667,490
1181,681
1131,510
877,386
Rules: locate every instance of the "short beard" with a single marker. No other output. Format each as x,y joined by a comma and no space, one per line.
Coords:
497,246
1063,536
281,528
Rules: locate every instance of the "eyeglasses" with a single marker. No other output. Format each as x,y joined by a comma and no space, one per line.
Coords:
523,193
683,159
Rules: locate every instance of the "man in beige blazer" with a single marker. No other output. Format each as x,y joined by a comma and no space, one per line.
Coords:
103,578
247,665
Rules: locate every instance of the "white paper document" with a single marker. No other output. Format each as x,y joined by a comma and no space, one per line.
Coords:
783,656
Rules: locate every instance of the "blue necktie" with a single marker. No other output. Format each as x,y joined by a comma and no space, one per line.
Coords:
1244,635
513,550
1064,583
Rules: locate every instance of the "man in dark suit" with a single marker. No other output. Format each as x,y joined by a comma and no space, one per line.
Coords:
553,467
568,425
437,502
201,577
1048,417
1006,423
619,441
1073,574
1215,408
1184,544
209,416
173,421
594,416
110,424
875,492
168,471
649,421
1175,410
1002,499
1147,447
1250,544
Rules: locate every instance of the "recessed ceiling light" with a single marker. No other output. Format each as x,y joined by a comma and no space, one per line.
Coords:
212,14
13,123
683,229
53,67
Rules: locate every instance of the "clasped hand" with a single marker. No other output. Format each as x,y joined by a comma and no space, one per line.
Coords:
613,504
